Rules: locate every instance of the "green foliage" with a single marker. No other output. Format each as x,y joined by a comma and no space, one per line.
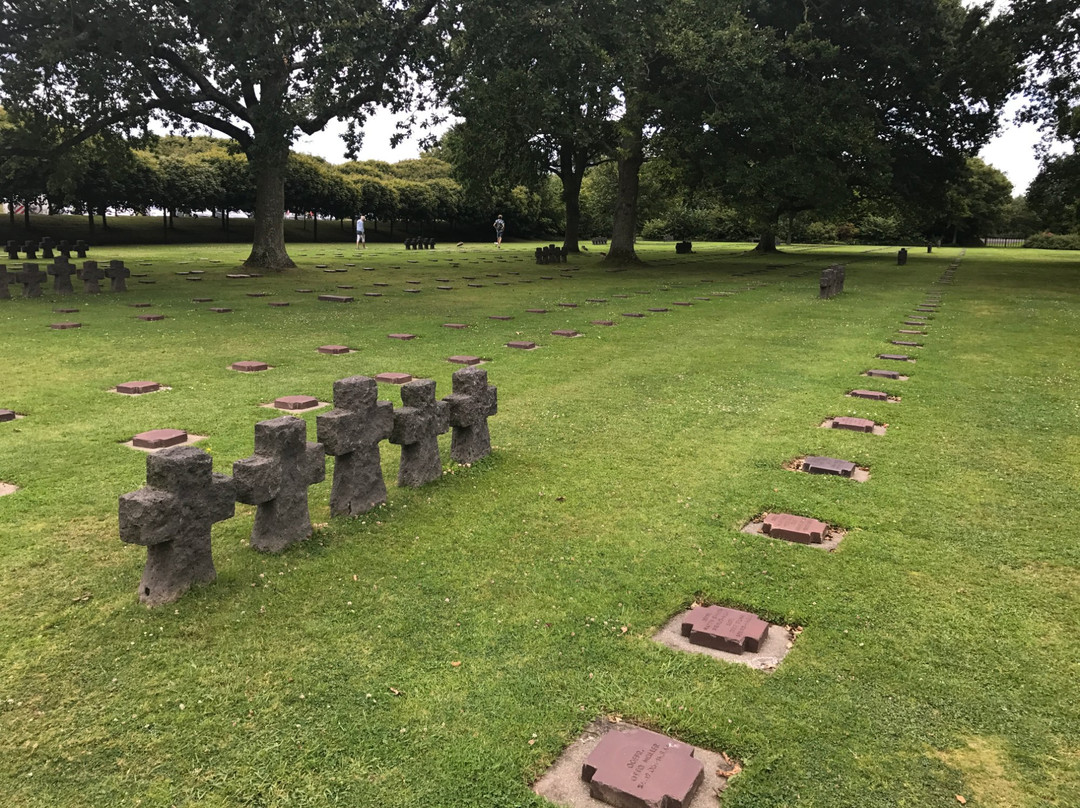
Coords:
1054,194
1051,241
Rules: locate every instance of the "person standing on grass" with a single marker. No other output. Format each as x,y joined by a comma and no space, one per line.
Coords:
360,239
500,225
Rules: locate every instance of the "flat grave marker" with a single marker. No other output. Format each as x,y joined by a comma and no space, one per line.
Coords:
394,378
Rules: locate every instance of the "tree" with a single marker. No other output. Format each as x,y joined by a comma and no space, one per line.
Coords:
259,73
1047,34
1054,194
977,203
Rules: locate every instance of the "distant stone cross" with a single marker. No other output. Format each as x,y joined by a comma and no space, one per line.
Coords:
172,517
276,478
5,281
351,433
118,274
417,426
31,279
468,409
62,272
91,276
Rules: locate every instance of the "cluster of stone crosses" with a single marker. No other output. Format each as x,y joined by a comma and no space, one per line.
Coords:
31,277
173,514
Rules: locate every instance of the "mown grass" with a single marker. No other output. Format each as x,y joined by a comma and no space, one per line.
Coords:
938,656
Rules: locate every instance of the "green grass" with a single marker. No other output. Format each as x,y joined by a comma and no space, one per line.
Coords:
940,643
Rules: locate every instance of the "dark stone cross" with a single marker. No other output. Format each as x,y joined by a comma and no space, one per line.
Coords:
12,248
30,248
80,248
47,245
62,272
351,433
468,408
5,281
417,426
276,478
31,279
832,281
118,275
172,517
91,276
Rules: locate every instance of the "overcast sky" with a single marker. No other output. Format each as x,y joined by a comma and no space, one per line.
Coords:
1013,151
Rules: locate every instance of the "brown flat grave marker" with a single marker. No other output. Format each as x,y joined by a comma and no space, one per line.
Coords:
522,345
632,314
565,332
65,311
724,629
7,415
257,294
547,277
249,366
150,318
906,343
596,300
896,357
492,274
916,322
304,291
278,304
568,305
642,769
237,275
797,529
296,403
221,311
443,280
476,285
144,281
468,277
854,425
911,331
773,644
159,439
455,325
192,279
140,305
404,337
412,282
682,303
502,317
394,378
336,298
464,360
563,783
334,350
502,283
706,299
832,466
64,326
536,311
603,322
380,283
444,288
621,297
870,395
884,374
202,300
137,388
411,291
659,309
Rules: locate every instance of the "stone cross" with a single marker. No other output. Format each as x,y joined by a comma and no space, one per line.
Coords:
30,248
47,245
276,478
62,272
80,248
63,249
417,426
351,433
5,281
13,250
31,279
172,517
832,281
468,409
118,274
91,276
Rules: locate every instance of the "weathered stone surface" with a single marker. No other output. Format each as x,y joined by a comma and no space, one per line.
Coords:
639,768
336,298
220,311
894,357
296,402
569,305
832,281
871,395
64,326
137,388
403,337
853,424
159,438
632,314
150,318
31,278
249,366
6,280
565,332
118,275
502,317
417,426
828,465
472,402
393,378
464,360
883,374
800,529
724,629
521,344
278,304
334,349
62,273
276,479
658,309
906,343
172,517
455,325
351,433
603,322
536,311
7,415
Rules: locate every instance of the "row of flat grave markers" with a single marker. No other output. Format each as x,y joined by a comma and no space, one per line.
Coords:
31,278
183,497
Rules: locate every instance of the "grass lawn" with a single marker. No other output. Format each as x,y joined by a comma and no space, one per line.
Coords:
939,646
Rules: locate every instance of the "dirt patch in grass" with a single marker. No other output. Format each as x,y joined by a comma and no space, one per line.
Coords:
985,767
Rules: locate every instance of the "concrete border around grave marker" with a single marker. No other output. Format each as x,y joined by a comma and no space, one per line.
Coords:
562,783
163,388
191,439
829,542
879,429
18,417
891,399
7,488
860,475
772,652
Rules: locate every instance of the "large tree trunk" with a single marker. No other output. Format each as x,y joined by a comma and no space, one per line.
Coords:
572,172
624,227
93,224
767,241
26,216
268,161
